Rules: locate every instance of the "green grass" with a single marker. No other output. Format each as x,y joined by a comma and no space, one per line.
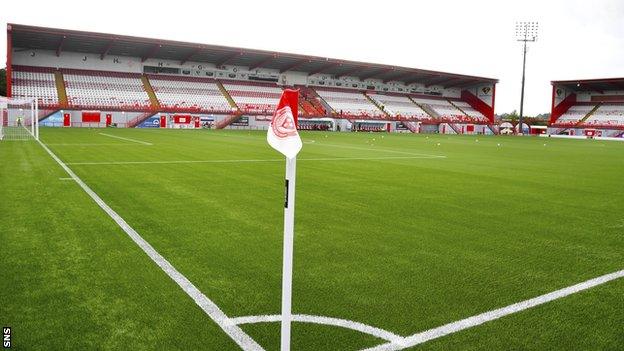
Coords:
400,244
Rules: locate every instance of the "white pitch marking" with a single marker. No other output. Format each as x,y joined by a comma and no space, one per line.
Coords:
127,139
380,150
211,309
336,322
255,160
92,144
66,178
479,319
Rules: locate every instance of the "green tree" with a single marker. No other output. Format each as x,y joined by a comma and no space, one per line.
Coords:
3,82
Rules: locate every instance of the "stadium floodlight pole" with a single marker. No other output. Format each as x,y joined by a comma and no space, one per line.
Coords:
525,32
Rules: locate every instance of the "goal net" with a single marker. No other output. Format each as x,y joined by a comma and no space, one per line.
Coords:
18,119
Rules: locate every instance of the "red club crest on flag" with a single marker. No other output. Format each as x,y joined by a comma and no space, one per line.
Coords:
283,123
282,134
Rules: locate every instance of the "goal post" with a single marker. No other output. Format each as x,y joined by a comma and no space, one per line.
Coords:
19,119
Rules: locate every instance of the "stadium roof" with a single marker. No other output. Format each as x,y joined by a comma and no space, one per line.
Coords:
598,85
60,40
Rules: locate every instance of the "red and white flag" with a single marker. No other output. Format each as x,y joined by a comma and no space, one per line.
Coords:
282,134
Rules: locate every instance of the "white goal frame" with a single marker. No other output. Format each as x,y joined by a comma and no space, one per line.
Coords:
19,118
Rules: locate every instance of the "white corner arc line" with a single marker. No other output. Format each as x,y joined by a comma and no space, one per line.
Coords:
336,322
208,306
251,160
479,319
127,139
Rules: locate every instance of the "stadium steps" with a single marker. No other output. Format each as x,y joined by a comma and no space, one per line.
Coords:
412,126
455,128
425,108
308,108
150,92
228,97
377,104
60,89
448,126
494,130
229,120
459,108
589,114
139,119
318,102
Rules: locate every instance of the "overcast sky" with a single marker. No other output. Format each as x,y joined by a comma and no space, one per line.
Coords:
578,38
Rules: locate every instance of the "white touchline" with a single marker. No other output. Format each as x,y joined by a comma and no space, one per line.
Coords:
127,139
211,309
253,160
336,322
479,319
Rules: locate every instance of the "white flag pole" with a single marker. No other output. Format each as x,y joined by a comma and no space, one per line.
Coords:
289,226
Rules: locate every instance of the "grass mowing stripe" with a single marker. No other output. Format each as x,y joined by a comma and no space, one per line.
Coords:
211,309
128,139
253,160
479,319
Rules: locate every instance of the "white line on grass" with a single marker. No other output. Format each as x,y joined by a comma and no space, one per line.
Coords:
93,144
253,160
336,322
211,309
127,139
379,150
479,319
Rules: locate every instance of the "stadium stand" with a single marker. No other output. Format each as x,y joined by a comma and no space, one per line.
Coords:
129,79
470,111
443,110
35,81
252,97
590,107
350,103
399,106
105,90
310,102
576,113
189,94
606,116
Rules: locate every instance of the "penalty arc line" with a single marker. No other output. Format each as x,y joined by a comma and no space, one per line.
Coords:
454,327
252,160
127,139
208,306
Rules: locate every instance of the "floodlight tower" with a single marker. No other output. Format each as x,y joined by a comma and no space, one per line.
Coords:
525,32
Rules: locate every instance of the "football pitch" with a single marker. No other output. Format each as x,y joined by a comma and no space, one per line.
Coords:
395,235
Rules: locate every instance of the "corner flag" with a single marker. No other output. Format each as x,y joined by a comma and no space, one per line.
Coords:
282,134
283,137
